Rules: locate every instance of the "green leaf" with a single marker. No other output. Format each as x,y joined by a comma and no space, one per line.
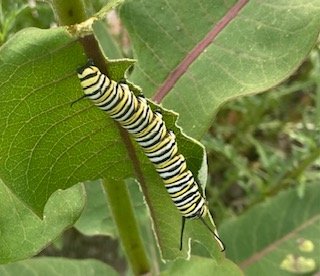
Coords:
23,234
96,218
202,266
270,231
110,5
46,145
253,50
106,42
40,134
57,266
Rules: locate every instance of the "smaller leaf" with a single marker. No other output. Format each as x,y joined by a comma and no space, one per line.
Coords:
96,218
202,266
57,266
272,230
118,67
110,5
23,234
108,46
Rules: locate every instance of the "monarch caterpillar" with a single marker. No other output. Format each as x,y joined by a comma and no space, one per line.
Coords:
149,130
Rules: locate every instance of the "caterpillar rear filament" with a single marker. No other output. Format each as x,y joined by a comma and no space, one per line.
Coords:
149,131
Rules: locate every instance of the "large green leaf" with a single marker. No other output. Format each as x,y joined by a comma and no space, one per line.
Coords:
23,234
252,50
46,145
57,266
41,136
262,237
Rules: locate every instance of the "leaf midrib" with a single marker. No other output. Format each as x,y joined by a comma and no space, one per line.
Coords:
192,55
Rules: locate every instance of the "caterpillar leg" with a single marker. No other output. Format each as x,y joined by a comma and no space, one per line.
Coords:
183,221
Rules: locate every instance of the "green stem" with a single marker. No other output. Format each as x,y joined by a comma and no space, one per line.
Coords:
119,200
122,212
69,12
317,80
283,181
303,164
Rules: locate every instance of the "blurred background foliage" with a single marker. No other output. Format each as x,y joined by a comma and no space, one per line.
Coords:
261,144
257,145
16,15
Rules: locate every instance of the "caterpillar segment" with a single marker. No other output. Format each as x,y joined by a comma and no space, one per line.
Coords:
150,132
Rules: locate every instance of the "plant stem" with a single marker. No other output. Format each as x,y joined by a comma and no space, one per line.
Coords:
69,12
293,173
122,212
317,118
284,180
303,164
118,198
72,12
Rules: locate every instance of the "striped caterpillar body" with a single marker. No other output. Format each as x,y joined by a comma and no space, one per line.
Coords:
149,131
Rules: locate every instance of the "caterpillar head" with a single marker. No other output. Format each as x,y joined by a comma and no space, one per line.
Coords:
88,69
89,75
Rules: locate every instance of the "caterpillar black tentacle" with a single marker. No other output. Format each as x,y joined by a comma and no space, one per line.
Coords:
150,132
